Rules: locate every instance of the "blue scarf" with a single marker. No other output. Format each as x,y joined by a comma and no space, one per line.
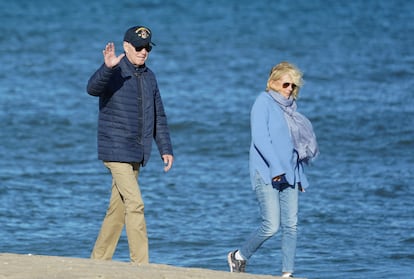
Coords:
301,131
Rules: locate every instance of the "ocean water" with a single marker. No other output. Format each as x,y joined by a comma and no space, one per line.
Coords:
212,59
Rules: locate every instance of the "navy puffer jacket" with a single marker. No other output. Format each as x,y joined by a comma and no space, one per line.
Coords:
131,113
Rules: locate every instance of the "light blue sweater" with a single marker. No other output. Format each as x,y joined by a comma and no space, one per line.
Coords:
271,150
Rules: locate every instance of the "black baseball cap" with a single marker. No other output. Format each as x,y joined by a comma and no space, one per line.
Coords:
138,36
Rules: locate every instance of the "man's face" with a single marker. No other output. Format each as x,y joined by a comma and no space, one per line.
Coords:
136,56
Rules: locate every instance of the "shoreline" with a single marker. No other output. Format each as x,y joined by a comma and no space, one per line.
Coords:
19,266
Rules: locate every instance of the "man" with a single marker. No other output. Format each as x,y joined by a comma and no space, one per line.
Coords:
131,115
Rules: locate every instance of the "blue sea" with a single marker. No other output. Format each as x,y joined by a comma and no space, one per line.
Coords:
212,59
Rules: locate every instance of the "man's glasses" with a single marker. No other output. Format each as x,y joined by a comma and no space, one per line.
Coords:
147,47
287,84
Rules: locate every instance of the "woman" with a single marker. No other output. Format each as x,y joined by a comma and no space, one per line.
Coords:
282,142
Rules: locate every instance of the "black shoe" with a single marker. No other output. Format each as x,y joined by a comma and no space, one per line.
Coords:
235,265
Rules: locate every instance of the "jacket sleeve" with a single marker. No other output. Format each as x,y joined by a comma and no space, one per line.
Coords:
99,81
261,137
161,130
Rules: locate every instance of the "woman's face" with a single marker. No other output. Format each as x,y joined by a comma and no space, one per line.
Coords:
284,85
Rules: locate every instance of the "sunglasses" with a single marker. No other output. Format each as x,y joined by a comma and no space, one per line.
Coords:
287,84
147,47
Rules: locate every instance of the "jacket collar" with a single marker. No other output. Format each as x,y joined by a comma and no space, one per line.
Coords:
131,68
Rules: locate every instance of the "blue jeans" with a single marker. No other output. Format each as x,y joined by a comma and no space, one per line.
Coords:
278,210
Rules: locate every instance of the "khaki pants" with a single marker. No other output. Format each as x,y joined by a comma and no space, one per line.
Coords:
125,207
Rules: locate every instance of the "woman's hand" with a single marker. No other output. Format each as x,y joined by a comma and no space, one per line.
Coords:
277,178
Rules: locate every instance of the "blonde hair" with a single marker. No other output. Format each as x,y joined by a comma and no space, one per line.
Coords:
286,68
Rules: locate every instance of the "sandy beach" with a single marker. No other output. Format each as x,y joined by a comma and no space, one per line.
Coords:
19,266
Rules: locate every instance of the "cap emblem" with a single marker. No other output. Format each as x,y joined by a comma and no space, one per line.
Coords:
143,32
